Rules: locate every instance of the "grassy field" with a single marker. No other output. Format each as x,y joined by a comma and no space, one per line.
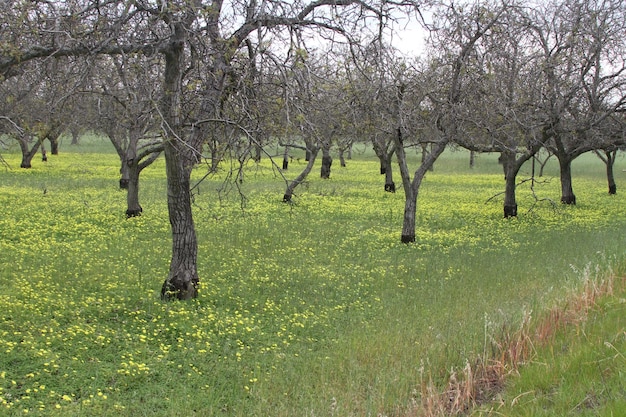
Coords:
308,309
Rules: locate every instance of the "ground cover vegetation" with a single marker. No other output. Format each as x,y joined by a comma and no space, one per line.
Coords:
309,308
205,80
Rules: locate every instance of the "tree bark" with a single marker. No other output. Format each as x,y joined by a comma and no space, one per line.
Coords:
385,156
609,160
307,169
510,177
286,159
182,280
53,137
28,154
567,191
132,195
327,162
411,187
75,136
342,158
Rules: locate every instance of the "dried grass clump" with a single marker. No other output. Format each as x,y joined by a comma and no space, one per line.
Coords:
480,382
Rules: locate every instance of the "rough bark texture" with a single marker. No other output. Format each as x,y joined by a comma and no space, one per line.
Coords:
567,191
124,171
132,196
182,281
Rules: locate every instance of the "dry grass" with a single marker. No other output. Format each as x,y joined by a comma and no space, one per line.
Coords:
479,382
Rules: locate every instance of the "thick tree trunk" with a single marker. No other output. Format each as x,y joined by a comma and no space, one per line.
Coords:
567,191
182,281
472,160
307,169
132,195
510,168
510,203
28,153
327,162
53,137
124,174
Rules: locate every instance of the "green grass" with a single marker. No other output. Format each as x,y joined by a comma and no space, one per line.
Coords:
307,309
580,372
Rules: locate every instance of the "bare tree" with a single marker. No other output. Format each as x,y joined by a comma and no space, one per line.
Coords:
503,91
584,67
455,34
198,41
123,89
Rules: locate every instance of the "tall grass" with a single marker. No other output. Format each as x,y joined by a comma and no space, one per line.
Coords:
305,309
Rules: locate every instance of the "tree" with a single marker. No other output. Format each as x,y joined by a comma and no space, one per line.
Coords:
584,67
315,110
499,110
198,42
37,101
124,87
455,34
369,74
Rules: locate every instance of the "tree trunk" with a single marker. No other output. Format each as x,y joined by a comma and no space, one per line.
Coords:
327,161
342,158
408,222
132,195
182,280
286,159
75,136
258,152
472,160
124,174
215,155
411,188
28,154
53,137
307,169
609,161
510,203
390,186
567,191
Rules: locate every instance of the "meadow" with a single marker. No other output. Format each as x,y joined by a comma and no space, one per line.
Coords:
307,309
